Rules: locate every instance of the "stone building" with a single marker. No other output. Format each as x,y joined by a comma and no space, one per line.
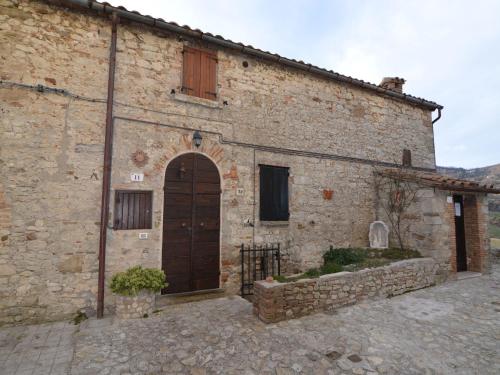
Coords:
128,140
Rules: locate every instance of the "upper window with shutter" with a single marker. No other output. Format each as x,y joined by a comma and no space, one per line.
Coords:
199,73
133,209
273,193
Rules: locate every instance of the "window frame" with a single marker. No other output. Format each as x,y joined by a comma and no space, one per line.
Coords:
265,215
118,220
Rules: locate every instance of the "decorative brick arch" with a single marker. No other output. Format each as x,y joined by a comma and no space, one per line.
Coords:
185,144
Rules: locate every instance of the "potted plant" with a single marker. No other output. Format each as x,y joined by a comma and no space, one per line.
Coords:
135,291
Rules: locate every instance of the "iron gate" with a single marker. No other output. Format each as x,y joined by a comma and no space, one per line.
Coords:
257,263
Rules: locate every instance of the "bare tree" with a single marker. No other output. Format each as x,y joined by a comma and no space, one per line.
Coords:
395,194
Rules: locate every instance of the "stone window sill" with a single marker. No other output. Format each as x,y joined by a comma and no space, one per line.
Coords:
274,223
195,100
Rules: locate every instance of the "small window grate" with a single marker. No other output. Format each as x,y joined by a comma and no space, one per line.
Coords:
133,209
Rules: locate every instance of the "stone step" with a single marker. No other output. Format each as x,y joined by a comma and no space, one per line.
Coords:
178,298
467,275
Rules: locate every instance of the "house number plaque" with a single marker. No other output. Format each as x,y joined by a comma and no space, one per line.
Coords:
137,177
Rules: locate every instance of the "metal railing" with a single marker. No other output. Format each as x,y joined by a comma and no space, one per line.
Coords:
257,263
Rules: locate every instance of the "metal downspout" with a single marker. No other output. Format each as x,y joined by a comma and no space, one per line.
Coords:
437,118
106,178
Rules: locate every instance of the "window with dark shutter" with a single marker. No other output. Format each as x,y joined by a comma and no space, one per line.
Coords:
406,158
133,209
273,193
199,73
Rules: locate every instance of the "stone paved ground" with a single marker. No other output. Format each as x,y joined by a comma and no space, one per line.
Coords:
450,329
45,349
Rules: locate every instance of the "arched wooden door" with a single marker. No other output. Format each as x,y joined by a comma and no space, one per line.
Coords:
191,224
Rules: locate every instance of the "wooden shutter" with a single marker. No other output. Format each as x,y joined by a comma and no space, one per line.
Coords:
273,193
191,72
208,72
199,77
133,209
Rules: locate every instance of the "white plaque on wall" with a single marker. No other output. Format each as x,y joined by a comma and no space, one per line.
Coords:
137,177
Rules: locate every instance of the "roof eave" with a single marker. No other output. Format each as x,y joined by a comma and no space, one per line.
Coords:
218,40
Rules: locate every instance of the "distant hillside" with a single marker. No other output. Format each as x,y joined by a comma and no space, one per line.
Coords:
489,176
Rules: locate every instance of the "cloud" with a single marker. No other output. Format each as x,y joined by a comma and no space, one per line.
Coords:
449,51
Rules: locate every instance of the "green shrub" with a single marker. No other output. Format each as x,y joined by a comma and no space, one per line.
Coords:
135,279
280,278
79,317
397,253
331,268
312,273
344,256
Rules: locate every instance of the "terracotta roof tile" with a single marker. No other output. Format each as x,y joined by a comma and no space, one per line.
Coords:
439,181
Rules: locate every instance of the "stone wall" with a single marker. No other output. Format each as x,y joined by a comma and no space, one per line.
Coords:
52,149
274,301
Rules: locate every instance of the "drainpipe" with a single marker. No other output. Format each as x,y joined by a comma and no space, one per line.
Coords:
437,118
106,178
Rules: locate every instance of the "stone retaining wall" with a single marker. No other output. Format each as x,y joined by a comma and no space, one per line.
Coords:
274,301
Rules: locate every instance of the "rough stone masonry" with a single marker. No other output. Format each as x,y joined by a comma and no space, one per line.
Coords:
275,301
52,150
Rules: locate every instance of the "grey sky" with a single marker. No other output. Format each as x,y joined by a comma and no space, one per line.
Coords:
448,51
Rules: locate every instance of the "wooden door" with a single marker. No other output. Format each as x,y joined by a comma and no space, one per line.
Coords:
458,203
191,224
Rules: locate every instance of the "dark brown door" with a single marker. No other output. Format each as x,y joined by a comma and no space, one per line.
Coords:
458,202
190,254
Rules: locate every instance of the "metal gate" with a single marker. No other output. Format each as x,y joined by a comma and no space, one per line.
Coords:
257,263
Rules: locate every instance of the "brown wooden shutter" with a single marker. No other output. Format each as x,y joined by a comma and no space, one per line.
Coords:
191,72
133,209
208,70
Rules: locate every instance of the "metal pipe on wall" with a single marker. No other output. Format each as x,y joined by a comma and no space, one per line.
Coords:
106,173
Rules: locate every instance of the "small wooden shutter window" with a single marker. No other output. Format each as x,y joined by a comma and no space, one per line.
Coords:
273,193
199,73
133,209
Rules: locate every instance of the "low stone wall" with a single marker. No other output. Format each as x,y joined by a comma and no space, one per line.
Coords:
274,301
135,307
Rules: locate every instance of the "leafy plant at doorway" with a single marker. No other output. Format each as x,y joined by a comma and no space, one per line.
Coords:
135,279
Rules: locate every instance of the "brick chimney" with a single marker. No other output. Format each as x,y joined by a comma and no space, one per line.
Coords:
393,83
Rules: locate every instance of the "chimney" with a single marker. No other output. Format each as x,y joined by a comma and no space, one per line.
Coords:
393,83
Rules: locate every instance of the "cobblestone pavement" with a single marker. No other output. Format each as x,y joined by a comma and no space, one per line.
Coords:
45,349
450,329
453,328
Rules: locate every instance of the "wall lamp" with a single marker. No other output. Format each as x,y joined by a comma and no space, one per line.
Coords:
197,138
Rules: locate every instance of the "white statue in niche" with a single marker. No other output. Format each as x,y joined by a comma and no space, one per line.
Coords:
379,235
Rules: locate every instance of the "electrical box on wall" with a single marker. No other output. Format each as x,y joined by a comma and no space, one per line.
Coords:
143,236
